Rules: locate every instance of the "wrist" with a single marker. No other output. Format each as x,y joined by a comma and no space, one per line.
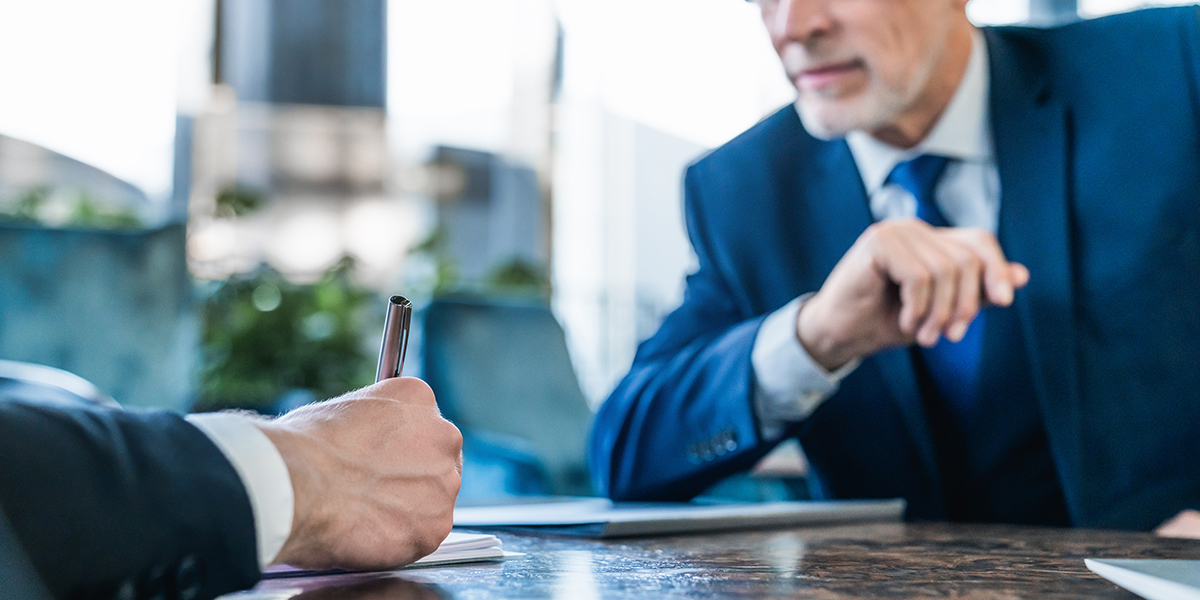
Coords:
296,450
820,341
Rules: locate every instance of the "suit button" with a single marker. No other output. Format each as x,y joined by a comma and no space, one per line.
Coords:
156,586
127,591
731,443
188,578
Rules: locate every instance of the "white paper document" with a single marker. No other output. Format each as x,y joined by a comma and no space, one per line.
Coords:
597,517
456,548
1152,579
464,547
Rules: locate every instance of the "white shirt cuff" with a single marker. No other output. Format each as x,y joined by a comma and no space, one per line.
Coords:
263,472
789,384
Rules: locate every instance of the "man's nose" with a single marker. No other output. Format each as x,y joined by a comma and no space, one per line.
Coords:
802,20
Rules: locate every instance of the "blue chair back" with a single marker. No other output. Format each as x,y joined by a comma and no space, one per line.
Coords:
502,369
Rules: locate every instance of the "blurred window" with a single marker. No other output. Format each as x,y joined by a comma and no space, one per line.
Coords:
998,12
95,81
1096,8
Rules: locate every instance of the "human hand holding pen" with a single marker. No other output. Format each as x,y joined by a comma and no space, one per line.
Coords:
375,472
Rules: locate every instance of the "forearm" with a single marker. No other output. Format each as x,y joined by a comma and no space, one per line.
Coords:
681,420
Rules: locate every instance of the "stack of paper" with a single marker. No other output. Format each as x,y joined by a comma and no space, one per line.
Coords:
457,548
464,547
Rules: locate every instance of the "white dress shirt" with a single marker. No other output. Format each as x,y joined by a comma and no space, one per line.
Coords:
263,472
789,384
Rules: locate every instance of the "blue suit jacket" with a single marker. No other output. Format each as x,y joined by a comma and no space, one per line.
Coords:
1096,128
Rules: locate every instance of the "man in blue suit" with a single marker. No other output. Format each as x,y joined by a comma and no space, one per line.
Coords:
963,270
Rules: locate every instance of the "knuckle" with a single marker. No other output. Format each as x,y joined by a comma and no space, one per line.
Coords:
970,263
453,483
407,389
451,435
945,269
416,390
883,231
877,228
873,233
978,233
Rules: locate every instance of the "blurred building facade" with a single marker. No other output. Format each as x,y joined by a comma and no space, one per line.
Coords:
294,132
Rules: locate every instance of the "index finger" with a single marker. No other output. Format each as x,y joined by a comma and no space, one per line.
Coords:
998,281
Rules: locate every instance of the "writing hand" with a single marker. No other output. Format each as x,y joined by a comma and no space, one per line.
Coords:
904,282
375,474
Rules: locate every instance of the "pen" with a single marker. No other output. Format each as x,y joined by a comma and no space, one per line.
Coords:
395,338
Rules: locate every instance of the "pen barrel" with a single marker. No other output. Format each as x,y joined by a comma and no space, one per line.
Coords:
395,338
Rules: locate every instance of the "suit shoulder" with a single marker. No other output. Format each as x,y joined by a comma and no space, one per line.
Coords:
1109,60
778,137
1108,42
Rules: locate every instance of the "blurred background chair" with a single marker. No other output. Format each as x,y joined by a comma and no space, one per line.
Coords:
42,384
501,372
113,306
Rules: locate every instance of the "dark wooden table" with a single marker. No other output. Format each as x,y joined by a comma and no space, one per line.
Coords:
931,560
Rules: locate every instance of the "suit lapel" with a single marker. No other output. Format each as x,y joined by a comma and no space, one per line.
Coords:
844,211
1030,129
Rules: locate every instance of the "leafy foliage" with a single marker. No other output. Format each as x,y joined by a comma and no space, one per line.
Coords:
263,336
81,210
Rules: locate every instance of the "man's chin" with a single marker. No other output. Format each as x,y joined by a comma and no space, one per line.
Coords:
826,122
829,120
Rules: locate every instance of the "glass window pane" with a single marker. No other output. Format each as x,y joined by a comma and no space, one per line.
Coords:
998,12
1096,8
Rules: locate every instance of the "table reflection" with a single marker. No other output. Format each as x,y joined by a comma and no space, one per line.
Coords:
360,586
384,588
891,560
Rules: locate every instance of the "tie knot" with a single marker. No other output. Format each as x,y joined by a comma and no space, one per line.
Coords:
919,177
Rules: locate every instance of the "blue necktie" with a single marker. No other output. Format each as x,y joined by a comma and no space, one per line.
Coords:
953,367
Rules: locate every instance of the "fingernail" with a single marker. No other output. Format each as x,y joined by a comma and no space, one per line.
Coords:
1006,294
957,331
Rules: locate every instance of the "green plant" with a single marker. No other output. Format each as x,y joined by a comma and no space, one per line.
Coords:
238,201
262,336
88,213
83,210
518,277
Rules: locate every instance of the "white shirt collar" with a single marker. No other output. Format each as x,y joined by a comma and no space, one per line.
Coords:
962,132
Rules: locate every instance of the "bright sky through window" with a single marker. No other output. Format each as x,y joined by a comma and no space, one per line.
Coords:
94,81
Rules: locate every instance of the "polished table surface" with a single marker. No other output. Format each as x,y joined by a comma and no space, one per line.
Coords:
930,560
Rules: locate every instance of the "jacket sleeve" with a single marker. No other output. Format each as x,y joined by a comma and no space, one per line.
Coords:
110,503
683,418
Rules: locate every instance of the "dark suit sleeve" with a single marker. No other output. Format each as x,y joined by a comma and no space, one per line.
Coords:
682,419
18,579
109,503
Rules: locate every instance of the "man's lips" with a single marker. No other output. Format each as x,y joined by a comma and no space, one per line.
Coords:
827,74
